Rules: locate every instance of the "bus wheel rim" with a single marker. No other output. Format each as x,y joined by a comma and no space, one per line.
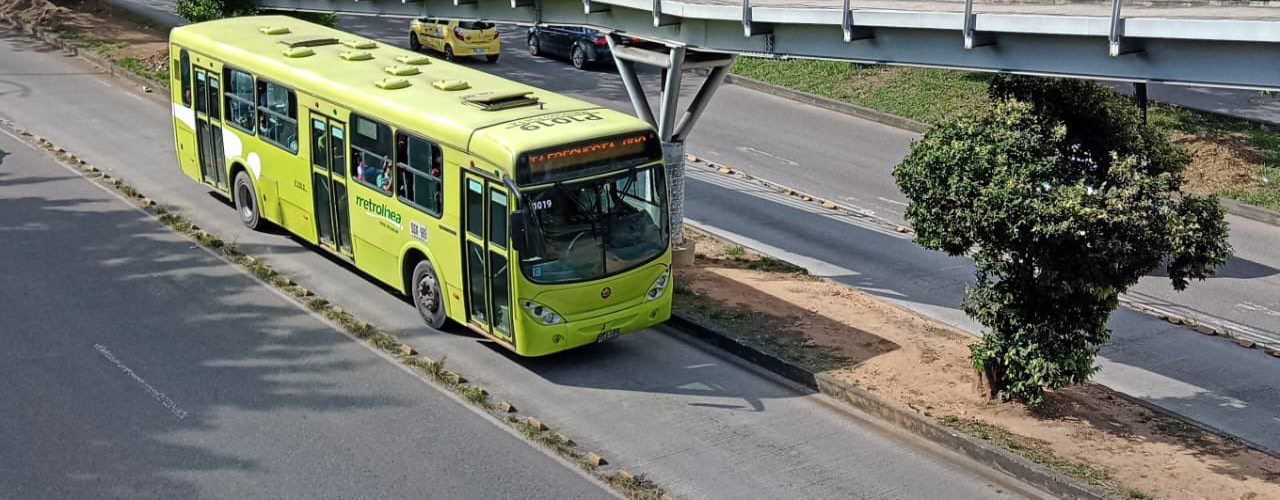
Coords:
246,207
427,292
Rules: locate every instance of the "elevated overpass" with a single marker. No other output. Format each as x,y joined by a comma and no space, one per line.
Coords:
1214,43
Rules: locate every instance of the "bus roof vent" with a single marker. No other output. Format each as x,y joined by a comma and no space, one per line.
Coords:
355,55
307,41
451,85
494,101
414,59
391,83
359,44
401,70
297,52
274,30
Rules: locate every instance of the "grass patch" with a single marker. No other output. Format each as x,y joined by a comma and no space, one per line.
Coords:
1034,450
67,31
103,47
921,94
735,251
139,67
1265,191
1140,495
773,334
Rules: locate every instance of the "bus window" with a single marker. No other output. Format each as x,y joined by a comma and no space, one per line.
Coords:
241,112
200,92
498,217
371,154
278,115
419,171
185,68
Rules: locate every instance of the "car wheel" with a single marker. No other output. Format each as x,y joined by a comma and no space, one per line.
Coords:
492,58
246,199
413,42
427,296
578,57
534,49
448,52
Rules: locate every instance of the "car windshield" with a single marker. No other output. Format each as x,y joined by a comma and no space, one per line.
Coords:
590,229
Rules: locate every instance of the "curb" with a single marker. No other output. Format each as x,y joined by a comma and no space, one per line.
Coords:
1250,212
985,454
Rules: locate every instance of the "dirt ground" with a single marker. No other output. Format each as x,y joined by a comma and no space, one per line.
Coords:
1085,431
97,26
1220,162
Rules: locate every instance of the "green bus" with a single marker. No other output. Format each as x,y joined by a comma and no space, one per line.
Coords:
534,219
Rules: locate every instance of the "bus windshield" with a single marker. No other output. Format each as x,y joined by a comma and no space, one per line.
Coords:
594,228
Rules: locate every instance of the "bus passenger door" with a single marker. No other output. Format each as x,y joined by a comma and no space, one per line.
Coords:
488,283
329,183
208,101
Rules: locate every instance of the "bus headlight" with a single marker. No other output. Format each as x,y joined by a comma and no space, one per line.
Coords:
541,312
659,285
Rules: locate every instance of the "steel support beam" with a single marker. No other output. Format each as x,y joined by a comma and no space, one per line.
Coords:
1140,98
673,128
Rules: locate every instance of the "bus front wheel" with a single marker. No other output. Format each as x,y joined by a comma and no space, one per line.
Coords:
427,295
246,199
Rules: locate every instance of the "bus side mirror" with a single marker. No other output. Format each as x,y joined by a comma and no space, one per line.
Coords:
519,230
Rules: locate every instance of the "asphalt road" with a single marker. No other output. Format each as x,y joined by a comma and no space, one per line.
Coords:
137,365
700,424
847,159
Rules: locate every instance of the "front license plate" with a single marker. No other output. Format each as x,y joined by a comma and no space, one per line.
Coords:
479,51
609,335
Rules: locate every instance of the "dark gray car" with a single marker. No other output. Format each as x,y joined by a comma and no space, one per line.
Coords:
582,46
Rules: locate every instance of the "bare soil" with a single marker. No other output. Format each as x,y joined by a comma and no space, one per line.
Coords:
97,26
1085,431
1220,162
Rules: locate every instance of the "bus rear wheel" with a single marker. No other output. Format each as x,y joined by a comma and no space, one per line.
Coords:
427,295
246,199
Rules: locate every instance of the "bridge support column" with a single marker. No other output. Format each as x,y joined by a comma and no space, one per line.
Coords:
672,127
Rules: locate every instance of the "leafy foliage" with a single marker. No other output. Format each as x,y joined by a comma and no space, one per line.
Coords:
207,10
1065,199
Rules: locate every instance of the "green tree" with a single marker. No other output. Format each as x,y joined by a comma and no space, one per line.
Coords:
207,10
1064,199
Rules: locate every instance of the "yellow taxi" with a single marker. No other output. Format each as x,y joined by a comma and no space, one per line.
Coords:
455,38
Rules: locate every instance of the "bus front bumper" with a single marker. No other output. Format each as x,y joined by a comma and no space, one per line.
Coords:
537,339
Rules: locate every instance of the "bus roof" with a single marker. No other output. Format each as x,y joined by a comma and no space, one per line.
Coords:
458,118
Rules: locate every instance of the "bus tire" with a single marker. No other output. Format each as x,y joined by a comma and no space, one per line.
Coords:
246,199
427,296
448,53
414,44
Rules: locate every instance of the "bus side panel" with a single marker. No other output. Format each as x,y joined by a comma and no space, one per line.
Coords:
184,119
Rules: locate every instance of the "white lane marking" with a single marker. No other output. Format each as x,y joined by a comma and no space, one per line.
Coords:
1259,308
895,202
103,82
768,155
19,139
704,365
164,400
